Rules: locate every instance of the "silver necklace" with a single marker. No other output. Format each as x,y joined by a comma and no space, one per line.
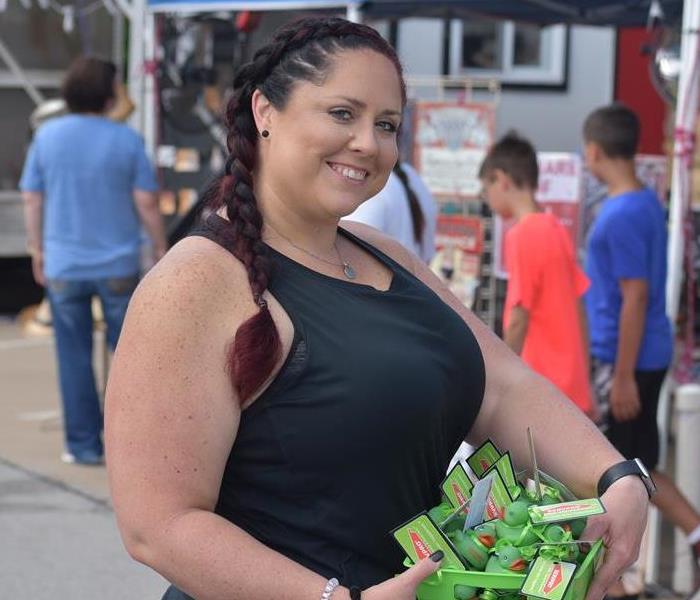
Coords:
347,268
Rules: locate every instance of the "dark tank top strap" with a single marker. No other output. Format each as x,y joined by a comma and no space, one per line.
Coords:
376,252
216,229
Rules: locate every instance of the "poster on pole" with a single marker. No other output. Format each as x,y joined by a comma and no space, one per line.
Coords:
559,192
459,244
450,140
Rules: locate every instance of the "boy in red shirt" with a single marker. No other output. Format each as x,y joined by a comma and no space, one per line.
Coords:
543,318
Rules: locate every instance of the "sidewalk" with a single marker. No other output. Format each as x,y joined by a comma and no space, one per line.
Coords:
58,536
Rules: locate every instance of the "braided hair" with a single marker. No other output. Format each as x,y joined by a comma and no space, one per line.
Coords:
300,51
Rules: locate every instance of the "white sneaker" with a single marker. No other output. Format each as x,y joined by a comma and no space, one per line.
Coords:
90,459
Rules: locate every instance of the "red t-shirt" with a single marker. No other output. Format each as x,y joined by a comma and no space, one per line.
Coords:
546,281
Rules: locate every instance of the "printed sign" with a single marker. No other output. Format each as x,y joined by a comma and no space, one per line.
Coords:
420,538
548,579
457,486
565,511
449,144
457,261
499,497
504,465
483,457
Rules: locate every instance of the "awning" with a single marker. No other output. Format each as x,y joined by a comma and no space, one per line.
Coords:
197,6
590,12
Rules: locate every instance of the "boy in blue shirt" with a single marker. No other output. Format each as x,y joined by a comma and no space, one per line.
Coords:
630,334
88,188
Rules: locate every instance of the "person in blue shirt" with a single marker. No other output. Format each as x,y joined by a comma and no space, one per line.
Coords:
630,334
88,188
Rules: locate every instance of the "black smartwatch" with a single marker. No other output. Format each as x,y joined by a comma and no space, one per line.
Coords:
355,593
623,469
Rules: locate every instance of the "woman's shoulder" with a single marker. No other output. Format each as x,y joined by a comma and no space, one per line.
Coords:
199,278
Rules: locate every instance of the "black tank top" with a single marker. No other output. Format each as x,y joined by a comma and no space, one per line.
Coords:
354,435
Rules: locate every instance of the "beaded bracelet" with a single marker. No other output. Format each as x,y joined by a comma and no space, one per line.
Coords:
329,589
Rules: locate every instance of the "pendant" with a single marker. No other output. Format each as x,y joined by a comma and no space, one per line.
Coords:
349,271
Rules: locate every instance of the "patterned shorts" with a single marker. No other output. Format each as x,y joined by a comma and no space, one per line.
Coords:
639,437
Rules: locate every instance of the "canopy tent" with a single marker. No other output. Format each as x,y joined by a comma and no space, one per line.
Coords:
588,12
195,6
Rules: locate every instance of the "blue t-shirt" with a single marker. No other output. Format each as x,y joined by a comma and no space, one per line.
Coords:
628,241
87,168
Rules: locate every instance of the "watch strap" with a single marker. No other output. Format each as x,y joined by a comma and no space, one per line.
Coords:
623,469
355,593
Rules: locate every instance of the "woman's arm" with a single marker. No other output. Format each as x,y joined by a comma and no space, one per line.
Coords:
171,420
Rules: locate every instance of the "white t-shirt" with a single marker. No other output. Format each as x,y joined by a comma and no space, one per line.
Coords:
390,212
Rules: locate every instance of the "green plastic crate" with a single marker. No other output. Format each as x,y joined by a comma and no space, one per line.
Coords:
440,585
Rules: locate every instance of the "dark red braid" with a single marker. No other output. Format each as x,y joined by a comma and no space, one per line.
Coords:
299,51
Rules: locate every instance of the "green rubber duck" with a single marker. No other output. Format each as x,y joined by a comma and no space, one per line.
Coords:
556,533
506,559
517,535
473,547
516,513
486,533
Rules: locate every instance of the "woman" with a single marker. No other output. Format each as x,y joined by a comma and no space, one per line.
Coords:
286,391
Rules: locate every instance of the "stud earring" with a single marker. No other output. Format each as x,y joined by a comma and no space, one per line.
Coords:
265,133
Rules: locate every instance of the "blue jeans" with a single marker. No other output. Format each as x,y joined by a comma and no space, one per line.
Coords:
72,323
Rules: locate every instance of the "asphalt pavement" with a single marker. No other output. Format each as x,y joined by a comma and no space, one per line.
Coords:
58,535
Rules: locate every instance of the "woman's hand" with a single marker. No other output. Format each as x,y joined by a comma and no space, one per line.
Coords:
403,587
621,529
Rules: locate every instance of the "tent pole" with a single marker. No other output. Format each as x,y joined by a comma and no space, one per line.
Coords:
686,111
150,109
685,119
136,64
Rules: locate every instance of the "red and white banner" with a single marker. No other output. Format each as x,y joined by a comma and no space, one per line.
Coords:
450,140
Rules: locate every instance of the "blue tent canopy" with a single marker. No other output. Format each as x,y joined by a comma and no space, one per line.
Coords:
194,6
591,12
